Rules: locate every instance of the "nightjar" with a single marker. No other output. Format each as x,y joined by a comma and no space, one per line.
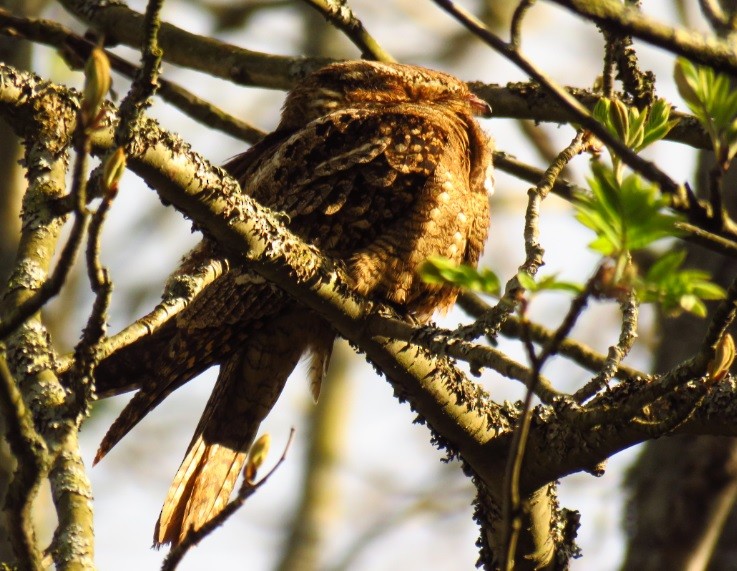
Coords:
378,165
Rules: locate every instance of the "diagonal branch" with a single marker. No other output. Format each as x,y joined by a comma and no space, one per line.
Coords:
616,16
76,50
31,453
119,24
340,15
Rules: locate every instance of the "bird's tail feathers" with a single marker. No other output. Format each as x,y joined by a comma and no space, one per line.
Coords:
200,490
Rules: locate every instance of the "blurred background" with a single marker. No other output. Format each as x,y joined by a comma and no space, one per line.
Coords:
361,488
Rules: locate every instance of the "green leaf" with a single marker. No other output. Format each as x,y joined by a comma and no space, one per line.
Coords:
675,289
636,134
626,216
569,287
712,100
708,290
619,118
526,281
658,124
547,283
687,82
666,265
601,112
441,271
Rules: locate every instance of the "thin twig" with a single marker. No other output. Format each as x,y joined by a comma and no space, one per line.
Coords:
137,99
574,311
444,342
576,351
627,336
340,15
145,84
490,323
607,75
86,354
515,28
538,193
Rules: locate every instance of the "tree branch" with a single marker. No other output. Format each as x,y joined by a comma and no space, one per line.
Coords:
340,15
46,121
31,454
119,24
615,16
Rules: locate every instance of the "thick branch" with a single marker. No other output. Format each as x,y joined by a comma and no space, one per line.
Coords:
46,120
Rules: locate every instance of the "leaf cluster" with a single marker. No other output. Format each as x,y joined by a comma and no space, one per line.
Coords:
637,128
676,289
626,215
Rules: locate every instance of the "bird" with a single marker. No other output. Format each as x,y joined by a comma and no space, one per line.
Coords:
380,166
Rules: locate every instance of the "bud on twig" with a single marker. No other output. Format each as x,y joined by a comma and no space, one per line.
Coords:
113,170
96,85
257,456
620,119
723,357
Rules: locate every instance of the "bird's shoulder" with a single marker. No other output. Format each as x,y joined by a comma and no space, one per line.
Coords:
408,139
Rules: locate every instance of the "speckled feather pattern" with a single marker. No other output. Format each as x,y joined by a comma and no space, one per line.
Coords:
378,165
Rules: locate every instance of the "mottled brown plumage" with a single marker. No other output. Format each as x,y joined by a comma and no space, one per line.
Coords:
380,166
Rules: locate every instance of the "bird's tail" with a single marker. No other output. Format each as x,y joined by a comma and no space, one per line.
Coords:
247,388
199,491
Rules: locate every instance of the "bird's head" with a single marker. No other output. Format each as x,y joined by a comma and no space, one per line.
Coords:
367,84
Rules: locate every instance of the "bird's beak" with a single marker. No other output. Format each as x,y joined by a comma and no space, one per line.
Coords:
479,106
